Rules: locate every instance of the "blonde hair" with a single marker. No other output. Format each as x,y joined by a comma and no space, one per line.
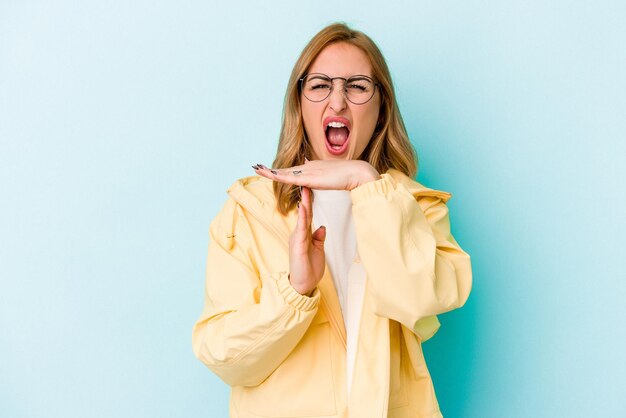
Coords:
389,147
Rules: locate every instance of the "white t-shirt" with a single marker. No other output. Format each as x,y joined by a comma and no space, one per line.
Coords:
333,209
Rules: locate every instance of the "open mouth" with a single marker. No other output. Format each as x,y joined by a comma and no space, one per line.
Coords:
337,137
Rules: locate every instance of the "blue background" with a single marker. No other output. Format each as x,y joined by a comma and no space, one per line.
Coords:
123,123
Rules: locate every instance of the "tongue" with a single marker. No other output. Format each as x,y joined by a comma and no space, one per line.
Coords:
337,136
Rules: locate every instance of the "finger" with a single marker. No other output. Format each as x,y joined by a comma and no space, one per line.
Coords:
291,175
306,202
303,226
287,178
264,172
280,175
296,177
319,236
286,170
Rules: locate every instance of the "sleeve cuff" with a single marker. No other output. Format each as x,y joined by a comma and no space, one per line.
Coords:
292,297
380,187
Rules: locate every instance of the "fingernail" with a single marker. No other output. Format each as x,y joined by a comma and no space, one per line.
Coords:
274,171
262,166
256,167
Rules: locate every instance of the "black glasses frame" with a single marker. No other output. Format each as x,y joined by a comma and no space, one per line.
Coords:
332,86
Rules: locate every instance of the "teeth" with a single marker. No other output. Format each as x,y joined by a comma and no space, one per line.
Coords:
336,125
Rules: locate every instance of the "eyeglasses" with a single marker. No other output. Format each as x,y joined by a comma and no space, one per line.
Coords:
358,89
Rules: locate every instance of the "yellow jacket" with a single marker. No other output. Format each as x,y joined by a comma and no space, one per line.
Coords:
284,354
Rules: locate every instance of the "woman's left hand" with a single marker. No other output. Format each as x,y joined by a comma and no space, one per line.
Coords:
323,174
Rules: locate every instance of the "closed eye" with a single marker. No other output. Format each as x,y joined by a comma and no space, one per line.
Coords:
357,87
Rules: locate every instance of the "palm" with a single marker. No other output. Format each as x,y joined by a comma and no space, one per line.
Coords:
306,249
309,258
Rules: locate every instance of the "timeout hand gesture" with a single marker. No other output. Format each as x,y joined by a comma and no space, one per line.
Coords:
306,248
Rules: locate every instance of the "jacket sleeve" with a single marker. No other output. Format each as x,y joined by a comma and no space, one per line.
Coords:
415,268
249,324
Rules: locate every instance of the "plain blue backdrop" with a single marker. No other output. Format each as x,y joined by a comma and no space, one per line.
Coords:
122,124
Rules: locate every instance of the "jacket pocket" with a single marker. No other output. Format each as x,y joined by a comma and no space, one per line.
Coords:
302,385
397,379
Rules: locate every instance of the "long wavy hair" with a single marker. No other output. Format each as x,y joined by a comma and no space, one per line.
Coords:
389,146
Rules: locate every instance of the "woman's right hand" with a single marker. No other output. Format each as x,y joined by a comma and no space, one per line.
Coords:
306,249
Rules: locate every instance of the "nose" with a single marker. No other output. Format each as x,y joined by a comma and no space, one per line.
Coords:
337,98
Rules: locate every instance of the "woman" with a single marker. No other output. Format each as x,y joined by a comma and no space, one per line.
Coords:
325,273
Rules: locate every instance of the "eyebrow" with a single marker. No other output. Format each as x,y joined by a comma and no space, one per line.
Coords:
318,75
321,75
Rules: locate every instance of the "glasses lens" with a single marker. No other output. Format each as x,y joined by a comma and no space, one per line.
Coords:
316,87
359,89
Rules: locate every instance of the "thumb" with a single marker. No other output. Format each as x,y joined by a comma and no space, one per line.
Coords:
319,236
